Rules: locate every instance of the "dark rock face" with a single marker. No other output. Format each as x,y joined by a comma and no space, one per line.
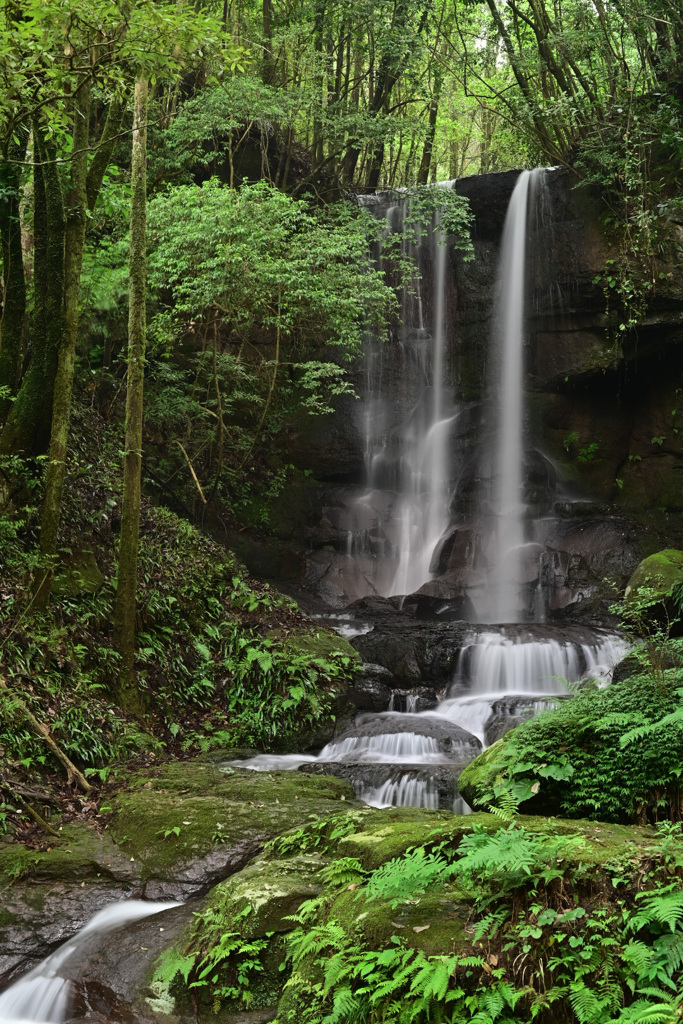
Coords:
440,781
449,737
602,426
416,653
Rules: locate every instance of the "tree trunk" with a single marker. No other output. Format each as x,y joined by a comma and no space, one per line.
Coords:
124,615
13,280
428,148
27,430
268,72
74,243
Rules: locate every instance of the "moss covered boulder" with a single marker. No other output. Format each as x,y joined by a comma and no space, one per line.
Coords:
374,909
173,832
655,578
613,754
190,824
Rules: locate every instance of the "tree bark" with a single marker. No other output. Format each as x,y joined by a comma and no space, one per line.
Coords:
74,243
27,429
428,147
126,590
13,281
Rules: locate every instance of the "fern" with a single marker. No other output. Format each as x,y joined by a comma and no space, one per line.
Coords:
170,964
343,871
664,907
675,719
405,877
644,1012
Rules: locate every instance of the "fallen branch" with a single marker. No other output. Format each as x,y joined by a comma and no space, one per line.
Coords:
34,814
43,732
194,475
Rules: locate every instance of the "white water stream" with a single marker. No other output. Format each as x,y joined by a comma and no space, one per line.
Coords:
398,521
42,996
508,331
504,674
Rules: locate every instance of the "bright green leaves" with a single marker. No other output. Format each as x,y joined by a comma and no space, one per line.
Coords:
260,261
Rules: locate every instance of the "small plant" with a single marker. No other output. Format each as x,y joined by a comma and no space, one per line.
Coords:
588,453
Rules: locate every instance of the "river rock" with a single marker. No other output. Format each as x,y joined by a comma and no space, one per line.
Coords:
440,781
175,831
449,738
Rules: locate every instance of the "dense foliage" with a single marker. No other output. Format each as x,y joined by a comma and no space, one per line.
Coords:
554,931
613,754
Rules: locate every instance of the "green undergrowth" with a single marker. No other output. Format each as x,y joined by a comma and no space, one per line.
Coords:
476,919
223,660
614,754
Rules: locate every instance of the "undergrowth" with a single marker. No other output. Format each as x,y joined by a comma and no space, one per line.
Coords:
613,754
210,671
553,938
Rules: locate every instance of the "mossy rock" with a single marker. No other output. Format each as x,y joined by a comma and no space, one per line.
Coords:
263,896
479,776
655,577
181,813
80,854
318,643
571,761
435,921
80,574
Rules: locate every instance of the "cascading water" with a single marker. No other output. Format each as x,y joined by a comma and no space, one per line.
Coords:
508,330
505,673
499,677
398,521
42,996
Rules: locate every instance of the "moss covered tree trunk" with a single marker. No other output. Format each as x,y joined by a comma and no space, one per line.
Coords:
76,219
27,429
126,591
13,280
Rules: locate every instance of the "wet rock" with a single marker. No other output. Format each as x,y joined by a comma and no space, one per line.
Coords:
509,712
48,896
419,699
450,739
415,653
440,782
372,688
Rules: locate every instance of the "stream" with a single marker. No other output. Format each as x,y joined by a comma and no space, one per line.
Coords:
412,542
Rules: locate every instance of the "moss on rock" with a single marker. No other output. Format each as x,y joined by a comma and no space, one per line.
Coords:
655,577
182,812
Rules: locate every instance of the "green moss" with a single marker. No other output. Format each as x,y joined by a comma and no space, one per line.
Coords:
81,853
201,801
320,643
435,923
390,832
574,757
479,776
79,575
656,575
261,897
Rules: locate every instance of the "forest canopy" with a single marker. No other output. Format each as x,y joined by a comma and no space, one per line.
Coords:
179,195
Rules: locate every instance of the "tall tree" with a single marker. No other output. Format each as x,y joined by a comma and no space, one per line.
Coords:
126,590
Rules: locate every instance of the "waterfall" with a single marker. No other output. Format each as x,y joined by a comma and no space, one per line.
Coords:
504,673
406,419
42,996
508,339
423,499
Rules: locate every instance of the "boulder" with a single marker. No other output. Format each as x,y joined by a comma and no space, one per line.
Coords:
174,832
